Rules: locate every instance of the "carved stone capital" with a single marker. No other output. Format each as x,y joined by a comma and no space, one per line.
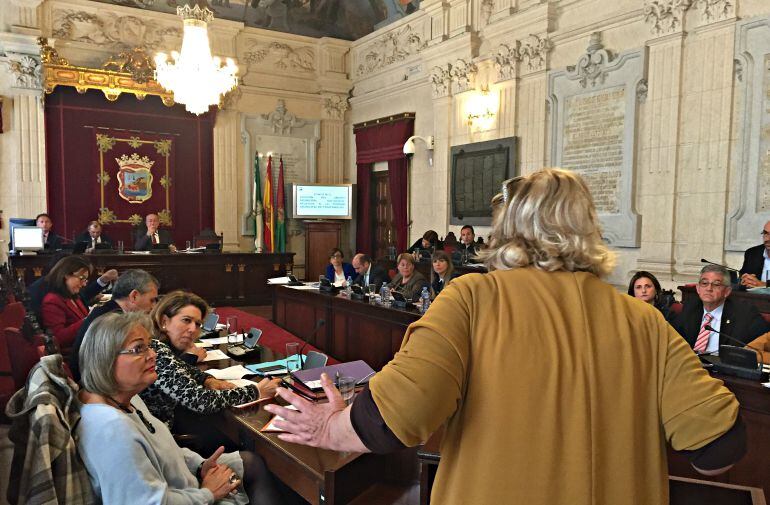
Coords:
712,11
464,75
665,16
26,71
505,62
533,51
590,69
441,81
334,106
281,120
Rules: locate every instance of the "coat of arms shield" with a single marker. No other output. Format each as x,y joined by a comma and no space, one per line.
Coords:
135,178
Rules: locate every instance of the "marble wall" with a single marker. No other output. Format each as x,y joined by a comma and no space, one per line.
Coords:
310,75
691,179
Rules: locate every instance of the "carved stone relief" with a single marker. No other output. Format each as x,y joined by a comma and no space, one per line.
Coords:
281,120
26,70
464,75
505,62
281,56
441,80
591,68
113,31
334,106
487,8
715,10
641,91
391,48
665,16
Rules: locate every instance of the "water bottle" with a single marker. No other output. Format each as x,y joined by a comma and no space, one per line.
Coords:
425,299
385,295
348,286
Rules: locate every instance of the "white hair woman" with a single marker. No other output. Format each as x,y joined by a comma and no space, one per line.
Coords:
551,384
131,455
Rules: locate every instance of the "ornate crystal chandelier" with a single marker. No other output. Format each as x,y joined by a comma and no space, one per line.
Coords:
196,79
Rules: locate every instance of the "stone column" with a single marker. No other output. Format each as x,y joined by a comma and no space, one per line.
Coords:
331,153
226,176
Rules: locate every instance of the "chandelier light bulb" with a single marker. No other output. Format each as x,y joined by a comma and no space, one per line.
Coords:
197,79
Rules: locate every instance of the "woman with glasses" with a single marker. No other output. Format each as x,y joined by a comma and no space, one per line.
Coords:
548,382
130,455
181,386
337,270
62,310
645,286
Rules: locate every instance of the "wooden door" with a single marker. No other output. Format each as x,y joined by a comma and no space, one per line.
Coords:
383,232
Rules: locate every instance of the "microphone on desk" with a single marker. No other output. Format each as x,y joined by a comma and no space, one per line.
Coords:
704,260
735,340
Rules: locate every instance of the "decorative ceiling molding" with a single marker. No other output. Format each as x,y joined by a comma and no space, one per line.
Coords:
112,31
281,56
113,79
392,47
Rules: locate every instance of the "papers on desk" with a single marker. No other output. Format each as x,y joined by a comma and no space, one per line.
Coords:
279,281
204,345
230,373
138,252
304,286
223,340
270,426
192,250
215,355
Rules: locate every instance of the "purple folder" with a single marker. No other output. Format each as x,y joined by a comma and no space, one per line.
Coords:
359,370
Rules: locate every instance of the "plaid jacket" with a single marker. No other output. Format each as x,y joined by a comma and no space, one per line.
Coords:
46,467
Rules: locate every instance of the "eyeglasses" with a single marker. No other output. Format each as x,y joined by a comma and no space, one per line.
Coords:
139,350
338,255
765,233
715,284
81,278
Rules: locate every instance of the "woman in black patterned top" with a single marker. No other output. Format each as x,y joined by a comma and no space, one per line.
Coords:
177,319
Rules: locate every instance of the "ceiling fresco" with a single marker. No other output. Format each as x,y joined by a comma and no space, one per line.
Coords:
343,19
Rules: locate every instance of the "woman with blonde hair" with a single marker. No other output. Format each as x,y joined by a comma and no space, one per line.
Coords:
549,382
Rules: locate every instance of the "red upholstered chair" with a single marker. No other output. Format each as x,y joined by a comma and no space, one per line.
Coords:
23,352
12,315
676,308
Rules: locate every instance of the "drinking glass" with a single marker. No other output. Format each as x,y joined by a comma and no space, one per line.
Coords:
187,245
232,330
372,293
292,356
120,247
347,387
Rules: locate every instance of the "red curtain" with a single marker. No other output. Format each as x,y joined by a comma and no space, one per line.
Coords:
72,121
398,177
383,142
363,214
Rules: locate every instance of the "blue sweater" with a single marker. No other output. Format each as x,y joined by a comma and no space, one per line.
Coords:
128,464
346,267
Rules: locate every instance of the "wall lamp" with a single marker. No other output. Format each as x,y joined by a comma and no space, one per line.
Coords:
481,109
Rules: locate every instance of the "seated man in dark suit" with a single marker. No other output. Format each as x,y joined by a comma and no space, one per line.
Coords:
152,235
735,319
755,271
135,291
468,241
51,241
93,236
368,273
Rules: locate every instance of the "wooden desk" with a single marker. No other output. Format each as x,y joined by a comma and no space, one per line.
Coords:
762,302
352,329
224,279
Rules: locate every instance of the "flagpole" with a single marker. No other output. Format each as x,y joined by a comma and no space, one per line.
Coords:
257,208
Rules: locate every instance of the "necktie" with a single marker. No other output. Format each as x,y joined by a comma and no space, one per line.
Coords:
703,336
155,238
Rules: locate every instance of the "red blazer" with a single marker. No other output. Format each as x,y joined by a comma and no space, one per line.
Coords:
63,317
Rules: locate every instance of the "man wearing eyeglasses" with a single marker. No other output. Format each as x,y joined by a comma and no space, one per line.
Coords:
713,308
755,271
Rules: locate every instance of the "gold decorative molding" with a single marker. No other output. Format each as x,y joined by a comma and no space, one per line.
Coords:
128,72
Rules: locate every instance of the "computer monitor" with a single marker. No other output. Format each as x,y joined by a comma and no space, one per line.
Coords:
28,239
18,221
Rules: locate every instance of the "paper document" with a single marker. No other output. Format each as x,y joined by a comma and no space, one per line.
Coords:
204,345
138,252
271,426
214,355
222,340
231,372
304,286
279,280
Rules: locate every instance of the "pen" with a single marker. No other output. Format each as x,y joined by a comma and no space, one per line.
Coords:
364,378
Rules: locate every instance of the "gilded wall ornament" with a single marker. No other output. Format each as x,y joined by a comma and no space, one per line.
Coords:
163,147
164,216
104,142
106,216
